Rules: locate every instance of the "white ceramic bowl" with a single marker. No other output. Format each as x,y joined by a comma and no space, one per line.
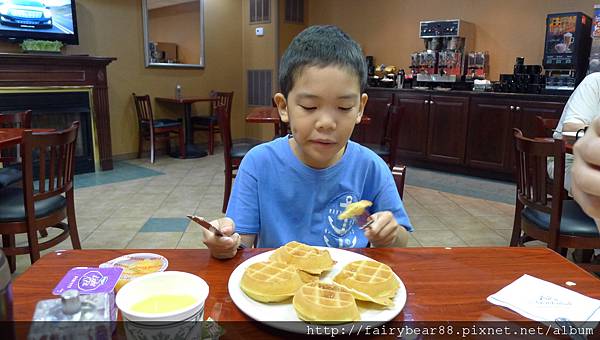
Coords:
169,282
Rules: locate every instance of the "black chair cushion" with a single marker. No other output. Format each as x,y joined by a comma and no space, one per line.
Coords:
160,123
574,221
204,120
240,149
380,150
9,176
12,208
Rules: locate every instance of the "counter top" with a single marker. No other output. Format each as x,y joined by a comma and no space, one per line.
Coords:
523,96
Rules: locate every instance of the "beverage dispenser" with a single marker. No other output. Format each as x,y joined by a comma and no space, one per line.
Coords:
566,50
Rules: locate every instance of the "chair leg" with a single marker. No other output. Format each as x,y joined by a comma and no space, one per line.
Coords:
34,247
8,241
182,151
515,239
228,180
211,138
73,232
152,148
140,145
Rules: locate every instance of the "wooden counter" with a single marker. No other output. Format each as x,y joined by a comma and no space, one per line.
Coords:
460,131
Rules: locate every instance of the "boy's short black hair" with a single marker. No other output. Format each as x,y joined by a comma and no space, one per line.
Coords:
321,46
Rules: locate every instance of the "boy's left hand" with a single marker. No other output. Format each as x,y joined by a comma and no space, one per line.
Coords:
385,231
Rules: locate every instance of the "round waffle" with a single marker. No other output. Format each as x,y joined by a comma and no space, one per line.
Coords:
320,302
369,281
354,209
309,259
270,281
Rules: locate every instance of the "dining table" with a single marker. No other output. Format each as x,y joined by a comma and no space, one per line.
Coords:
13,136
445,286
192,150
270,115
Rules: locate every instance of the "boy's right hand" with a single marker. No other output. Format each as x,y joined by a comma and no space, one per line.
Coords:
224,247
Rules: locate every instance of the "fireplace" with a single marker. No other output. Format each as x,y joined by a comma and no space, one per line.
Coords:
57,108
63,79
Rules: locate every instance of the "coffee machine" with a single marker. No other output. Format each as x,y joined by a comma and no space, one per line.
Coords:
443,59
566,50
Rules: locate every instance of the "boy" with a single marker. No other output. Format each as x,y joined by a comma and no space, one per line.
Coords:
293,187
586,171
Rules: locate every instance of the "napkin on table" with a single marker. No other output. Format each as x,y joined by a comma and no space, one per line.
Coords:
541,300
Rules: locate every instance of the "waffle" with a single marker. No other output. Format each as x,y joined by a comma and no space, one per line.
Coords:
369,280
270,281
320,302
354,209
309,259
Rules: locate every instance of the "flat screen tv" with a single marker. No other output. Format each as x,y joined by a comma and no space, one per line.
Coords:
39,19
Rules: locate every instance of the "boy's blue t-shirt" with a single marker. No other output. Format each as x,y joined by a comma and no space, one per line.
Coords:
281,199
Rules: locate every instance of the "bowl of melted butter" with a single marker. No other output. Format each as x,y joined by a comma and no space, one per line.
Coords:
169,296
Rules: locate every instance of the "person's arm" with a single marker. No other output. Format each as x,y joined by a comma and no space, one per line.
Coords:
385,232
586,170
572,127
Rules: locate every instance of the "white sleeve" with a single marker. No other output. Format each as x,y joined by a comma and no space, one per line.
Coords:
584,103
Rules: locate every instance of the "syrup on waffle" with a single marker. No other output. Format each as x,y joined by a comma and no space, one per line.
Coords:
369,280
270,281
320,302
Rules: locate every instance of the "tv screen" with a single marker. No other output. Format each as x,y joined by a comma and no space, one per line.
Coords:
39,19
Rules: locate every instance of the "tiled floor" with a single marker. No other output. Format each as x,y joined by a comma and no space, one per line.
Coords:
145,205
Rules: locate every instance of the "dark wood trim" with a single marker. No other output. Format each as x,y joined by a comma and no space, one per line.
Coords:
33,70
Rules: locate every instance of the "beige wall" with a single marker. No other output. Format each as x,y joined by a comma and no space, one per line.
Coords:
114,28
260,52
389,29
287,30
179,24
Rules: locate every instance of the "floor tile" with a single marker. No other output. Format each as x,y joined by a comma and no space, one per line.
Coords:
108,239
155,224
438,238
191,240
159,240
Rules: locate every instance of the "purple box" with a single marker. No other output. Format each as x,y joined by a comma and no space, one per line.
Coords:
89,280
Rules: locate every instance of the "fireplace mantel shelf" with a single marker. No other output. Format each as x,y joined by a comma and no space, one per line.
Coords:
39,70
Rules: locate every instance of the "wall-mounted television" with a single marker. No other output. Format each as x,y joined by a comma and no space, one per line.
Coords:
39,19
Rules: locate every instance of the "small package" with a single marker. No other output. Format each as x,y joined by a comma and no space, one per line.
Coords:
88,280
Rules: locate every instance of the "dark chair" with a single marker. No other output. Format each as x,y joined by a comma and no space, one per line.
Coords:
232,152
387,148
10,172
210,122
545,126
541,214
46,198
156,129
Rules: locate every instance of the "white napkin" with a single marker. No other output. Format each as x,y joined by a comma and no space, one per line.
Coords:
541,300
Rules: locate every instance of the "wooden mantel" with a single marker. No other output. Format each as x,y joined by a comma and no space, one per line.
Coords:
34,70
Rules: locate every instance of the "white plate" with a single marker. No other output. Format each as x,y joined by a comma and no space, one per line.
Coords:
274,314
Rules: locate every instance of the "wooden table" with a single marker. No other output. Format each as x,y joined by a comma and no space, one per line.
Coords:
192,150
270,115
13,136
443,284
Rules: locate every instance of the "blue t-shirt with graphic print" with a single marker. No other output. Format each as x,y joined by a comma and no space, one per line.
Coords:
281,199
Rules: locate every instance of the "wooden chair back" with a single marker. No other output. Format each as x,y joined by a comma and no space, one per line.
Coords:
143,107
532,176
544,126
224,119
20,120
54,164
395,113
223,99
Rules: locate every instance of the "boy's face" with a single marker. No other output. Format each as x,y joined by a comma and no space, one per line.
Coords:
322,108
